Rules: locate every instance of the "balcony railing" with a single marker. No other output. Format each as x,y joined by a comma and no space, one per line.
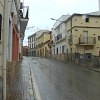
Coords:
58,37
70,39
24,12
87,40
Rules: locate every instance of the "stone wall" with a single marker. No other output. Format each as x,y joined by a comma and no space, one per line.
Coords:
58,56
12,69
61,56
82,60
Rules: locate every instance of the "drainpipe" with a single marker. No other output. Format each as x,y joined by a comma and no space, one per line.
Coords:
6,20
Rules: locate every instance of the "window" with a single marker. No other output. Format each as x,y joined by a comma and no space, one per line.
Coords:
28,46
34,45
98,37
32,39
71,22
88,56
0,25
57,50
77,55
63,47
87,20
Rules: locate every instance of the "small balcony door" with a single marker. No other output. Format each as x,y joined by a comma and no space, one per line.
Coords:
85,35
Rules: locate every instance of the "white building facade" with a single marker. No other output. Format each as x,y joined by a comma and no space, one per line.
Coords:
58,38
32,45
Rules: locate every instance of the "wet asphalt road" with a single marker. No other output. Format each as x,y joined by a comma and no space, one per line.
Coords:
57,80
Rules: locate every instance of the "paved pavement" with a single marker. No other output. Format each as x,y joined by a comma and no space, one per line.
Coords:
57,80
22,88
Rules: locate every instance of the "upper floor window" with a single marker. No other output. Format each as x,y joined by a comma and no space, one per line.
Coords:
34,45
32,39
86,19
63,47
98,37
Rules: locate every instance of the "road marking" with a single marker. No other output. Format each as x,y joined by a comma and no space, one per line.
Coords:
31,91
35,86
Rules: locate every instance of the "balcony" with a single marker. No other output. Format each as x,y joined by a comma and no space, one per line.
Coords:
70,39
23,18
59,36
87,40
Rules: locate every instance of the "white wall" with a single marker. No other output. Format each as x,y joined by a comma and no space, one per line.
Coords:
60,44
2,32
59,27
62,18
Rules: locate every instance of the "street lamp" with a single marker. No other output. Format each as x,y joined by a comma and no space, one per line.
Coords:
57,20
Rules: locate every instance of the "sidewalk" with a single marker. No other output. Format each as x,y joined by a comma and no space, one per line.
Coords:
96,69
22,88
93,69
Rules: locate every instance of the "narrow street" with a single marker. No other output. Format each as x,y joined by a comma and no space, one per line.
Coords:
57,80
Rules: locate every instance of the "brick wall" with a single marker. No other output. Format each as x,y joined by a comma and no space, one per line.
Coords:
12,69
25,51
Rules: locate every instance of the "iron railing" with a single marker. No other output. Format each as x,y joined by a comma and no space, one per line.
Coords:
24,13
87,40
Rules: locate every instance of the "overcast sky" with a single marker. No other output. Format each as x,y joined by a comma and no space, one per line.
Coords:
40,12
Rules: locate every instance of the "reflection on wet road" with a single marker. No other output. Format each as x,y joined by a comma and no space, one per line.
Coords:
61,81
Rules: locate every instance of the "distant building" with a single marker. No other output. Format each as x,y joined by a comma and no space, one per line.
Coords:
32,45
42,41
50,45
25,50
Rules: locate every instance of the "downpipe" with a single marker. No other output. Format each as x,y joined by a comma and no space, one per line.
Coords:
5,27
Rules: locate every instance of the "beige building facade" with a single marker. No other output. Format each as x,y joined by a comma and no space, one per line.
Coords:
42,47
83,39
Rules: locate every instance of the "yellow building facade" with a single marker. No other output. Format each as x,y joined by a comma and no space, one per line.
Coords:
83,39
42,48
